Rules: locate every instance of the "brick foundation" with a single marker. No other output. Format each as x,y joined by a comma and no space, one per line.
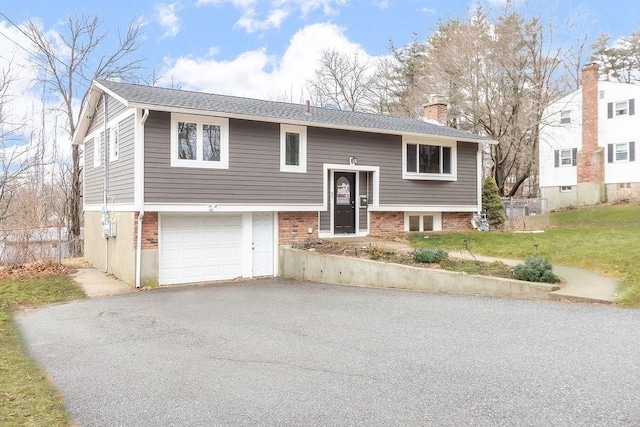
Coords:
149,230
386,224
454,221
293,227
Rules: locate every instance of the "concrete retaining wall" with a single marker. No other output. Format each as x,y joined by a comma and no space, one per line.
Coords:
334,269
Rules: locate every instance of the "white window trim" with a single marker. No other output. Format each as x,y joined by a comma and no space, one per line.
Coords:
453,176
437,220
114,140
223,163
626,109
302,131
615,152
570,157
97,150
565,117
566,188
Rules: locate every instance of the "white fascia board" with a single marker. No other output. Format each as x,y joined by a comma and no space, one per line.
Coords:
95,91
307,123
423,208
219,207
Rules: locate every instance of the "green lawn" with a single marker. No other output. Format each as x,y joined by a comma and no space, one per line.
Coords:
605,239
26,396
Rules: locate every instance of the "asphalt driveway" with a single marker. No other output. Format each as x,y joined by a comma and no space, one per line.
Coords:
278,352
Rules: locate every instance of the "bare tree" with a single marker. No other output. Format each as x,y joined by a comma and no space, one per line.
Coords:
70,62
498,74
14,151
347,82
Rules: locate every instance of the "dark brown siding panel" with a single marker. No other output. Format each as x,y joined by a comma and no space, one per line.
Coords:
253,176
114,108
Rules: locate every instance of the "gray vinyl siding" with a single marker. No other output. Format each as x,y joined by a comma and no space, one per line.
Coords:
114,107
92,176
325,216
385,151
121,171
362,211
254,175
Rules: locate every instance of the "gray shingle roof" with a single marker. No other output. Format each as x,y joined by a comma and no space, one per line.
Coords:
173,98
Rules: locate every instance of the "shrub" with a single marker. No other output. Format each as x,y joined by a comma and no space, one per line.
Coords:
492,204
536,269
430,255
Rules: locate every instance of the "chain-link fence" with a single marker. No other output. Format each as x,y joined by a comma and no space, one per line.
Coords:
42,244
526,214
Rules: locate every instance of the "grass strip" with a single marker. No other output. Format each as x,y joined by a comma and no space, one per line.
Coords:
27,398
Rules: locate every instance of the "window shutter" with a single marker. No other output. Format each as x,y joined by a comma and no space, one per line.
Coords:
556,158
610,110
632,107
610,153
574,156
632,151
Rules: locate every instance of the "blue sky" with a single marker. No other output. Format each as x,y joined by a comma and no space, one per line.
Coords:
269,48
189,39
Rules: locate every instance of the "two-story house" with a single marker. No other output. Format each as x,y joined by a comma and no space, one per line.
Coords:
587,146
184,187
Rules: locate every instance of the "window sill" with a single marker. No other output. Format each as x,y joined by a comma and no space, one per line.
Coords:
293,169
198,164
429,177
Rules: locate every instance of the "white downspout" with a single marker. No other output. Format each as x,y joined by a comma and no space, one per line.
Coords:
141,212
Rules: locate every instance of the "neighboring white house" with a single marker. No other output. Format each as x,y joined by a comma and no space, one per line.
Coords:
587,148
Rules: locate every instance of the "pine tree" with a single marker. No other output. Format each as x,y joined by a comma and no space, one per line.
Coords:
492,204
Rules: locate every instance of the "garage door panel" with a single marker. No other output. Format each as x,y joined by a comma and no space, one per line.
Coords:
200,248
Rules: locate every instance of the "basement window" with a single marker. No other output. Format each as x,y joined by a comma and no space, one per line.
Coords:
418,221
566,189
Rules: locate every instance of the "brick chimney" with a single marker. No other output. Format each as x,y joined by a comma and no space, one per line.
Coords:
590,160
436,109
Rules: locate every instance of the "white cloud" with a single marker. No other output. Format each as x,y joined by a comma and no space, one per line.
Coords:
262,15
251,24
258,74
166,15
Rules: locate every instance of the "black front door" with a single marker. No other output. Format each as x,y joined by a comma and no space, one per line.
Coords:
344,189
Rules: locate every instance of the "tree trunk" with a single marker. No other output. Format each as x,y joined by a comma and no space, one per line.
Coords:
75,247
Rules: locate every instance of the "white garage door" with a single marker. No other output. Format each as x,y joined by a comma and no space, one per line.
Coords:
200,248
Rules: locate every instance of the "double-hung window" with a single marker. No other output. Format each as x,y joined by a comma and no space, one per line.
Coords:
565,117
621,108
566,158
423,160
622,152
293,148
199,141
